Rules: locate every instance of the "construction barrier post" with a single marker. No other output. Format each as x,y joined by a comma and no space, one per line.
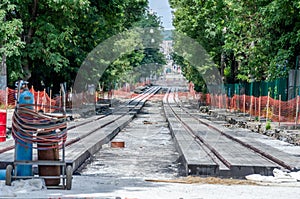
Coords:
244,104
267,116
297,111
251,97
50,101
255,108
44,101
259,107
279,110
37,101
219,98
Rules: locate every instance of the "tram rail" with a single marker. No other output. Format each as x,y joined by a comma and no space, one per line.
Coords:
100,121
222,164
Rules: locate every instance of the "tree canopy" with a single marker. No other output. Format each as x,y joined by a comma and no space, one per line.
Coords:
10,42
45,42
248,40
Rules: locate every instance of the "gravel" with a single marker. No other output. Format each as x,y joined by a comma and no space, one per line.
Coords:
148,167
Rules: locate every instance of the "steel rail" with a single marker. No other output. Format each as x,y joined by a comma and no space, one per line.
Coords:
142,97
197,137
249,146
137,99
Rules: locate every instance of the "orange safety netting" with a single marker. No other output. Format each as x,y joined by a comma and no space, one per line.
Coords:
263,106
44,102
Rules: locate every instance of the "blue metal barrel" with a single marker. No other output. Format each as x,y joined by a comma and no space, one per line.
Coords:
23,150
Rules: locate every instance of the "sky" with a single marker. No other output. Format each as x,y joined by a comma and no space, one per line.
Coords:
162,8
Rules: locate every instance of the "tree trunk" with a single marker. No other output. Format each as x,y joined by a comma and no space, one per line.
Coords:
3,65
222,63
3,81
29,36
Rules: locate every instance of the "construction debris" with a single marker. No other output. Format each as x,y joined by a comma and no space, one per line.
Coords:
204,180
278,177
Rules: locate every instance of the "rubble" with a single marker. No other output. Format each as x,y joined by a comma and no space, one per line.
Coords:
240,120
279,176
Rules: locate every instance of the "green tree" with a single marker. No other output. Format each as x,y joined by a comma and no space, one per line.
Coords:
246,39
145,60
10,41
201,21
58,35
49,31
280,21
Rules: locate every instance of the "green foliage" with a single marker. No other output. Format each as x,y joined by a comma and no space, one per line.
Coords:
10,28
10,42
145,61
258,39
47,41
268,125
191,73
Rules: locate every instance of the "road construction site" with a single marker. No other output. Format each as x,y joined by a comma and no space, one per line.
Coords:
168,148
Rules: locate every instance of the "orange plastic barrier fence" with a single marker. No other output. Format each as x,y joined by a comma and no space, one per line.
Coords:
263,106
43,101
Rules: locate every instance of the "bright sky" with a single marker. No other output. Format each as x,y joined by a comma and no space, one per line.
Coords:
162,8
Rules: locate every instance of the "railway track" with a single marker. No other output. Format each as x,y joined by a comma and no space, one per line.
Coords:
211,149
80,132
121,111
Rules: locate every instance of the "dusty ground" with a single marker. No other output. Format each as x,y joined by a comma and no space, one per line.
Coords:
148,151
147,168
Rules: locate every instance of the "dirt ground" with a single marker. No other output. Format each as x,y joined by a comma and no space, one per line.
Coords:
148,168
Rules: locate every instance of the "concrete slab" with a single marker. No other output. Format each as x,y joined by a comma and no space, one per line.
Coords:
78,152
239,161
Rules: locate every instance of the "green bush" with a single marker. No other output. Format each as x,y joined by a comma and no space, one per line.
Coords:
268,125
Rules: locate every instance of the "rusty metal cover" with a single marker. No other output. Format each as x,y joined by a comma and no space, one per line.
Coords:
117,144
